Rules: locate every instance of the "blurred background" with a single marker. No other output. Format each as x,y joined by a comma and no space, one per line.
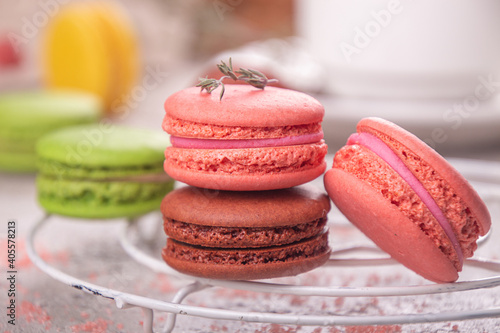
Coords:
430,67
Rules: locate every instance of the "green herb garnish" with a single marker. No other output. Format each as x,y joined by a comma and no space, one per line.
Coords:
250,76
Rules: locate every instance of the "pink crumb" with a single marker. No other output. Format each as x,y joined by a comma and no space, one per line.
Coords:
339,301
92,277
334,330
98,326
22,259
57,257
162,283
216,328
275,328
297,300
374,329
34,313
373,280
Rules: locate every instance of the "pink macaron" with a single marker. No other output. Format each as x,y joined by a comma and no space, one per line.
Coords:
250,140
9,57
408,199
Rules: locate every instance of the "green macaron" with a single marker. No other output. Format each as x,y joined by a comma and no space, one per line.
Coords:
26,116
102,171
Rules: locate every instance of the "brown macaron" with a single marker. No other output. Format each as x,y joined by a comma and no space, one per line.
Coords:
245,235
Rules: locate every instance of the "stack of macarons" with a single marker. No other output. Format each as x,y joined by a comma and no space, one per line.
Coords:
240,153
92,46
27,116
102,171
250,140
244,156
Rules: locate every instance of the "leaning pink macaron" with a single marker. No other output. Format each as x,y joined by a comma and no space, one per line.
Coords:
251,139
408,199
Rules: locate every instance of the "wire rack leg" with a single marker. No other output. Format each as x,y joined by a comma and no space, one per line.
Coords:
178,298
146,237
148,320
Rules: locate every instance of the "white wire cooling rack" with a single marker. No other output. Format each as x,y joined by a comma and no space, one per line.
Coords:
486,178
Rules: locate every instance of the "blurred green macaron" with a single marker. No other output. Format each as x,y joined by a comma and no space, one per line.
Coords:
102,171
26,116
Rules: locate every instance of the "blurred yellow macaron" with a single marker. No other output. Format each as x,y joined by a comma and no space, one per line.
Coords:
92,46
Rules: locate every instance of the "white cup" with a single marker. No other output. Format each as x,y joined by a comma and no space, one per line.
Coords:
403,48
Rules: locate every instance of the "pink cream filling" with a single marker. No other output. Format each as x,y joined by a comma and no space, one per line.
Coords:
378,147
193,143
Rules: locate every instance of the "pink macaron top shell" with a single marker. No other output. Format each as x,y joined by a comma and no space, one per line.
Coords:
383,151
414,152
244,105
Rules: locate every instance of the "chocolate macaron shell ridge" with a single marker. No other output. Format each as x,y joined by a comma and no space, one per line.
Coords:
284,207
397,235
241,237
248,264
384,130
244,105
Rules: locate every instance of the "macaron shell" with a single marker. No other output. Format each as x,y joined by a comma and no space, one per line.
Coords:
27,116
81,210
189,129
241,237
398,236
286,207
32,113
244,105
100,199
248,169
104,145
245,182
456,181
250,271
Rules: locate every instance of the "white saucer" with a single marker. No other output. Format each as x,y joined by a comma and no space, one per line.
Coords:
438,122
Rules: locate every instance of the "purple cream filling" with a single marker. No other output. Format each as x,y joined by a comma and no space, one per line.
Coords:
378,147
180,142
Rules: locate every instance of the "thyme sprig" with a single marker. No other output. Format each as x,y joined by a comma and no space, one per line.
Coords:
250,76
